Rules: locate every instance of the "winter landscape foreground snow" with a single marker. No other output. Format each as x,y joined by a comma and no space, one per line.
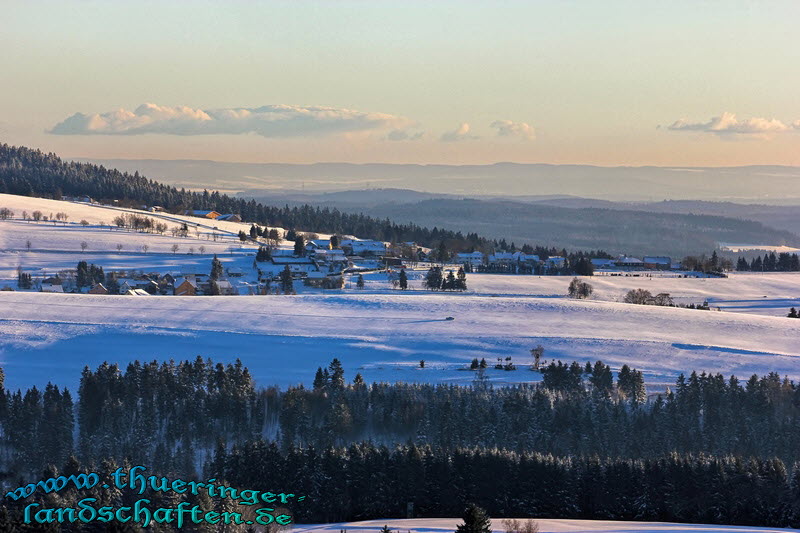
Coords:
447,525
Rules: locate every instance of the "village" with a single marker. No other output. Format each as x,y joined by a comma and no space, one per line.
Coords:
260,261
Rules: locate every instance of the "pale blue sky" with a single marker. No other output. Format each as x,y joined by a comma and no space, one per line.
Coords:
592,80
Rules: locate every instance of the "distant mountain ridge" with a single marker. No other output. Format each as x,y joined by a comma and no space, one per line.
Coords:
771,184
576,223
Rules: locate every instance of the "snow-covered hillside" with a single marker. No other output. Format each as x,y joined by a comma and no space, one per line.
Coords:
384,336
379,331
448,525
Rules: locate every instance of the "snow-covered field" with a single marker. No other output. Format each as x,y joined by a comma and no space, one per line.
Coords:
384,336
448,525
380,332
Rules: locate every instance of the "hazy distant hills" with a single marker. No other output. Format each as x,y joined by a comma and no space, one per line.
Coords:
750,184
574,206
694,227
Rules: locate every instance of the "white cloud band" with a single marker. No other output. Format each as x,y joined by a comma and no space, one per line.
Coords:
267,121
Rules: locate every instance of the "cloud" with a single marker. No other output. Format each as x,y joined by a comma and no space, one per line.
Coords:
508,128
267,121
404,135
729,125
459,134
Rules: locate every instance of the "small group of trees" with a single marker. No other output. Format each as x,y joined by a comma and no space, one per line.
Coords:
88,275
475,364
709,265
141,223
6,213
24,280
579,289
435,280
793,313
645,297
782,262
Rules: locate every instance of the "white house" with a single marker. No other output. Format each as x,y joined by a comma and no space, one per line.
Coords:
470,258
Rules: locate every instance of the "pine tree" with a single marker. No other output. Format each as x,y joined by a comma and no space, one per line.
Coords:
216,268
403,280
287,282
320,382
299,246
475,521
461,282
360,282
336,374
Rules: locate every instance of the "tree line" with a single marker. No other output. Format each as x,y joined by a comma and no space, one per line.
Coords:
580,444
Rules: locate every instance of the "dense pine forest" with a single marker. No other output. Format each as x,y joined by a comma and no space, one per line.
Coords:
580,444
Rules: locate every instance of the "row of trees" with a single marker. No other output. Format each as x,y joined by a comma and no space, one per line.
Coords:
582,444
782,262
435,280
147,411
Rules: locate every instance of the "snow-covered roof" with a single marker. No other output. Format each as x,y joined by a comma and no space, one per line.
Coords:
47,287
137,292
656,260
625,260
470,255
319,243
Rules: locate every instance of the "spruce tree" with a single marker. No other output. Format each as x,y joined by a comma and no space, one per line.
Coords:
216,268
475,521
403,280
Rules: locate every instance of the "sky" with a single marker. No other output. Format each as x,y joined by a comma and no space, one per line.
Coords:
617,82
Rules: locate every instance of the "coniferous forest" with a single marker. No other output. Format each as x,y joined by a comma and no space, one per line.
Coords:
580,444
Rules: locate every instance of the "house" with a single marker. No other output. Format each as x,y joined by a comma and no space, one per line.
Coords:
136,292
366,248
98,289
530,259
318,244
321,280
186,287
501,258
230,217
329,256
225,287
470,258
202,214
657,263
624,261
146,284
156,209
51,287
603,263
235,272
556,261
